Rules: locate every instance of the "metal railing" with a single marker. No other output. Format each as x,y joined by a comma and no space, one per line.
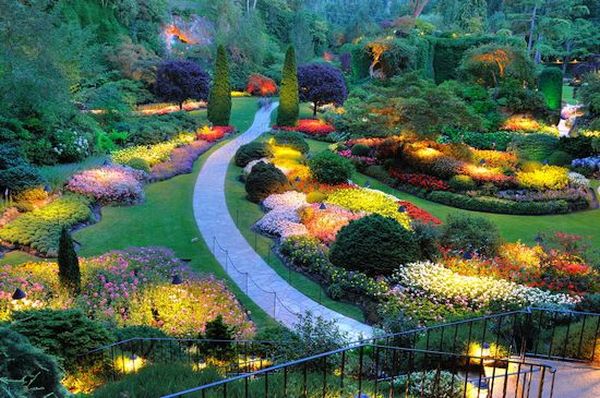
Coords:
376,371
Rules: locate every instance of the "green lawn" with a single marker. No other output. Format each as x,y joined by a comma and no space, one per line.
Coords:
512,228
568,95
166,219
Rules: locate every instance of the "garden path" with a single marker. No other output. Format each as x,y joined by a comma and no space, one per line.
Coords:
246,267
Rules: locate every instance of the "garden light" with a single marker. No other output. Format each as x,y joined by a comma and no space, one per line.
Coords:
367,184
176,280
323,206
539,239
402,209
468,255
19,294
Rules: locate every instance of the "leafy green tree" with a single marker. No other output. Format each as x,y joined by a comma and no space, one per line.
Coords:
68,263
550,83
219,100
289,108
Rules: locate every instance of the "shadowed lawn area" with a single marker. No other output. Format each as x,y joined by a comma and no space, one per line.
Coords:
166,219
512,227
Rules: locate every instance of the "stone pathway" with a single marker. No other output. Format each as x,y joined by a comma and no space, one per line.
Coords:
251,273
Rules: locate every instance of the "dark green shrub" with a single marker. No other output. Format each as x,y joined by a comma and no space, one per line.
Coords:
470,233
64,333
293,140
252,151
444,167
217,329
577,147
289,107
219,100
497,140
141,331
590,303
138,164
361,150
33,372
550,84
375,245
427,236
69,273
559,158
330,168
462,183
10,156
264,180
20,178
536,147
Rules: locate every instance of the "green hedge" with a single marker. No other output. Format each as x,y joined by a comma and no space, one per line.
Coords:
497,140
550,83
40,229
496,205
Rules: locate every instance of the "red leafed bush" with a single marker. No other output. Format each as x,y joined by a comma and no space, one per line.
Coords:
416,213
214,133
420,180
310,127
261,85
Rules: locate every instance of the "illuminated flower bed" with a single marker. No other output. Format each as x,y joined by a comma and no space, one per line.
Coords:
495,158
546,177
181,161
107,185
324,224
131,287
289,199
215,133
527,124
315,127
418,214
369,201
362,160
152,154
443,286
419,180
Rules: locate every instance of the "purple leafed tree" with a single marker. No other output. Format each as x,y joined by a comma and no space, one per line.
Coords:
179,80
321,84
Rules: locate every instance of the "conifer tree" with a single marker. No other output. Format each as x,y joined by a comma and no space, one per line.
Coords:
287,115
219,101
68,263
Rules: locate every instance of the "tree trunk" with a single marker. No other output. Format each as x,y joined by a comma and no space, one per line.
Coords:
181,105
314,109
538,55
568,46
531,29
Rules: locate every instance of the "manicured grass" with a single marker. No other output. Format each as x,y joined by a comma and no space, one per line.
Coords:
568,96
512,227
166,219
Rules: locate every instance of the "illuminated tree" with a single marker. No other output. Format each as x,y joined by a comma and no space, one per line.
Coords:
287,114
550,84
219,102
261,85
180,80
321,84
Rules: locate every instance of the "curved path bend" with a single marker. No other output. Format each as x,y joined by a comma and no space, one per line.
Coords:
214,222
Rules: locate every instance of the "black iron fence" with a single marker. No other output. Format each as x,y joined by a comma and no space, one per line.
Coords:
369,370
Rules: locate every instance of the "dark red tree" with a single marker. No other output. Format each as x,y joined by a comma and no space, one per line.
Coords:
179,80
321,84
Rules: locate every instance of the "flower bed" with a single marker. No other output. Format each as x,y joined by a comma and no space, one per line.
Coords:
324,224
153,154
443,286
131,287
418,214
359,160
181,161
108,185
546,177
215,133
419,180
40,228
591,163
314,127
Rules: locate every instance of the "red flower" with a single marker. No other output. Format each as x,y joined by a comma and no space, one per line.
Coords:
309,126
419,180
416,213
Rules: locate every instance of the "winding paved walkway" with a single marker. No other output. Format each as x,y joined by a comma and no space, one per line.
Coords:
214,221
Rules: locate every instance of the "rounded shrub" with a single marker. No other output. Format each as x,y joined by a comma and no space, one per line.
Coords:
462,183
559,158
20,178
330,168
471,234
361,150
252,151
292,140
138,164
316,197
264,180
375,245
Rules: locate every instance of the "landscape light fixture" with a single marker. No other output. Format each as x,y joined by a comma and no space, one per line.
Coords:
468,255
367,184
402,209
176,280
539,239
19,294
322,207
298,179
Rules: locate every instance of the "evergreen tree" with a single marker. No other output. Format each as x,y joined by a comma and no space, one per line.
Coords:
287,115
68,263
219,101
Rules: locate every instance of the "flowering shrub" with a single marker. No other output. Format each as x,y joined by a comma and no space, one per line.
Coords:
283,219
40,228
215,133
418,214
443,286
324,224
527,125
493,158
181,161
315,127
578,180
152,154
107,185
361,160
131,287
591,163
524,195
289,199
261,85
419,180
369,201
546,177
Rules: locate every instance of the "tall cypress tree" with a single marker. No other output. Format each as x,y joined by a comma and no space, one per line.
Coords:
287,115
219,101
68,263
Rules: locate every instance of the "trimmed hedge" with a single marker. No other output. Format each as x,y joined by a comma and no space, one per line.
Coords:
497,205
252,151
330,168
264,180
497,140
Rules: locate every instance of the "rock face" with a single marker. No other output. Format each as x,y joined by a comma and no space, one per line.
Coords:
194,30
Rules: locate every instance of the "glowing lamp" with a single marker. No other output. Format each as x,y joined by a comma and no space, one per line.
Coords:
402,209
322,207
19,294
176,280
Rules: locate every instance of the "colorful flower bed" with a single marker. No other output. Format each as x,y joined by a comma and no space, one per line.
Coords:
419,180
418,214
131,287
181,161
108,185
215,133
546,177
153,154
40,228
315,127
445,287
324,224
